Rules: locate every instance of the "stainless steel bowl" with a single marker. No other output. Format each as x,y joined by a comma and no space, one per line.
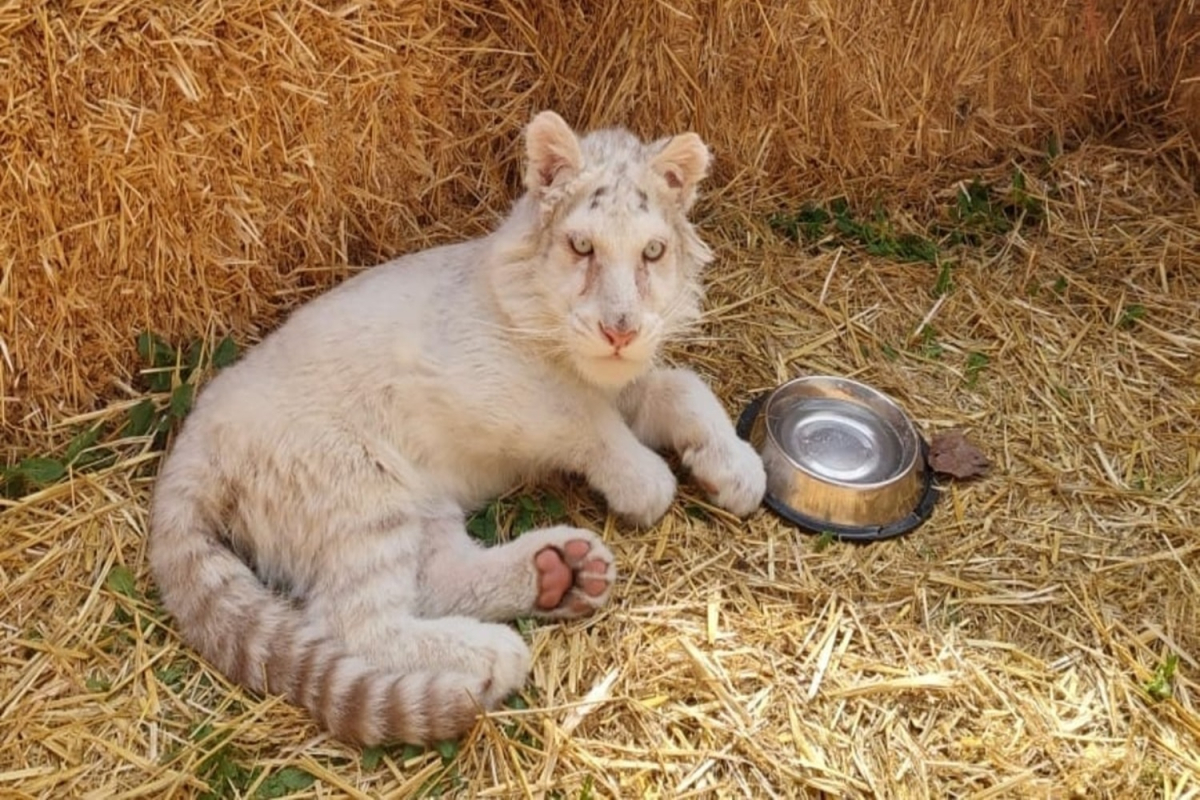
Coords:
841,457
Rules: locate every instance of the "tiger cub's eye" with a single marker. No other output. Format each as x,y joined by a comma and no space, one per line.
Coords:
581,245
653,251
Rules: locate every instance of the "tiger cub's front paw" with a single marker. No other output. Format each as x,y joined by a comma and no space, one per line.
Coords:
730,472
645,491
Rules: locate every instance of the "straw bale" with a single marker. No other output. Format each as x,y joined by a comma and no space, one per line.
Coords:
1002,650
198,167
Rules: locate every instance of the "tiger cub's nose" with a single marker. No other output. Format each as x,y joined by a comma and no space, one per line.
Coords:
619,335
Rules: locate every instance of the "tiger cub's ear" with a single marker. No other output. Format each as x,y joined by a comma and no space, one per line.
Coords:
552,152
682,162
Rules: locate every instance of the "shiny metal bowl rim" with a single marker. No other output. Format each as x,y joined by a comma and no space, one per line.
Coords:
875,396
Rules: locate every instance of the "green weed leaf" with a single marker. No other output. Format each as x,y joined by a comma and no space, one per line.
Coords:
225,353
976,363
1162,685
930,347
96,458
372,757
806,225
945,280
97,685
554,507
526,510
171,676
192,359
41,471
1131,315
448,750
154,351
81,441
483,526
160,380
181,400
120,580
284,782
410,752
141,418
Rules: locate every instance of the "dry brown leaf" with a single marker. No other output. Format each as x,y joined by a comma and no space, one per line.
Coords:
951,453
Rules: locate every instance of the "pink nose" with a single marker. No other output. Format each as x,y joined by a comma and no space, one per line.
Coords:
618,337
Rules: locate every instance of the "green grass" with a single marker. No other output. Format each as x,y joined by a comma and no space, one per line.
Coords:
945,280
823,541
929,347
445,779
587,790
169,377
806,225
1162,685
121,581
515,515
172,675
1053,147
838,224
97,684
174,373
980,214
230,773
976,363
1131,315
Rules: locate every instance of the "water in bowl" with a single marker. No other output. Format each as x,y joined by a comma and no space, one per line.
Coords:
840,441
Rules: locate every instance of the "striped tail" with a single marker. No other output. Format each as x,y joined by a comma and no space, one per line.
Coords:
260,641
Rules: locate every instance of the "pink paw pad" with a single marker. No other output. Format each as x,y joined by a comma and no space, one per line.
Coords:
561,570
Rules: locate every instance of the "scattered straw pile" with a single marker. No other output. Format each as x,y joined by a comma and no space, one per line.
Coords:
1003,650
187,166
193,168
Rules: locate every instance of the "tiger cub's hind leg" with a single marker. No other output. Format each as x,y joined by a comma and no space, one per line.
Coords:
559,572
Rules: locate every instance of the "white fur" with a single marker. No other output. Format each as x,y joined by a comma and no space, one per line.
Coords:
340,455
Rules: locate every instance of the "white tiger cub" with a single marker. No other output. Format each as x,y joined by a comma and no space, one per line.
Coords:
307,528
